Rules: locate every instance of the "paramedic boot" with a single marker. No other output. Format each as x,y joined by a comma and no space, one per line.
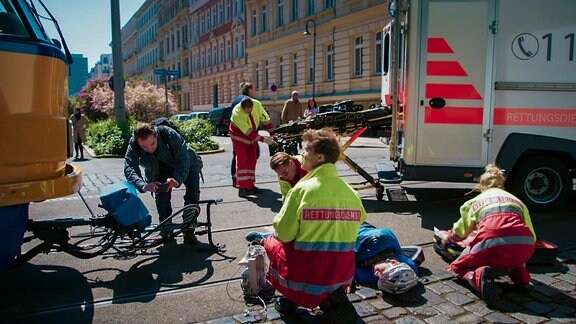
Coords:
338,308
482,280
284,305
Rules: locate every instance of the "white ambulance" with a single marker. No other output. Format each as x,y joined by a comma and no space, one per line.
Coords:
482,81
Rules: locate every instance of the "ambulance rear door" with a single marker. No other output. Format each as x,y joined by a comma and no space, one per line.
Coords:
456,46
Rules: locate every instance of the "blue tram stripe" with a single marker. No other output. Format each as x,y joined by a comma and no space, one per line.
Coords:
26,46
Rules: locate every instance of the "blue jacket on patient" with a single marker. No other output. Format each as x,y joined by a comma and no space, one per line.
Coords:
373,242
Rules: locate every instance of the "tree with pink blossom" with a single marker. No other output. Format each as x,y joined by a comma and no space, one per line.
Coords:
143,100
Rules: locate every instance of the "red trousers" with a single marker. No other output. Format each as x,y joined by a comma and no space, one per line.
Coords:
245,164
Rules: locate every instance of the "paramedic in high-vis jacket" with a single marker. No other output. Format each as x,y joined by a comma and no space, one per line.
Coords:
312,251
174,163
289,170
247,116
504,239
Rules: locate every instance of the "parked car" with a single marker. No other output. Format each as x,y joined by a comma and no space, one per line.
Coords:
198,114
180,117
220,117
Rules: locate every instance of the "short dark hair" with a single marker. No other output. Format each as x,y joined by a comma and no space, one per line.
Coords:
143,130
246,103
323,141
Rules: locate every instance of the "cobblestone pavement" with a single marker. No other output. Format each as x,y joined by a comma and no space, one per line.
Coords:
444,299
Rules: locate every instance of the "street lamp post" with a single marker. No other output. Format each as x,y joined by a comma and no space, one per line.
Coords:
307,33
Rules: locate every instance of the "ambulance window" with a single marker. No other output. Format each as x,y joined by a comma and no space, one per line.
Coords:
386,56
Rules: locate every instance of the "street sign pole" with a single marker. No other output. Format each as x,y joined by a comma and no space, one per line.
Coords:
166,93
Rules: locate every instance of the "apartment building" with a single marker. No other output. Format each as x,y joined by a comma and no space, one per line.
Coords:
216,44
348,49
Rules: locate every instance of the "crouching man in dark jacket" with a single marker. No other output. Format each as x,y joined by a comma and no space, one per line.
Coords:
166,159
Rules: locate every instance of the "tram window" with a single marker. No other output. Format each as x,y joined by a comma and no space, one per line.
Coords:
10,24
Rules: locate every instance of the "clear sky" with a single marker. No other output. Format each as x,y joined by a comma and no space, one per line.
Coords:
86,24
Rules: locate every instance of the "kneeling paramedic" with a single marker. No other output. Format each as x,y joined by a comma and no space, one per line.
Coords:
312,251
166,159
504,240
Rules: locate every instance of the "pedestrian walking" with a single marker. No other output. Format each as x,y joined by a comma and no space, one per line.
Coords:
292,109
79,125
311,108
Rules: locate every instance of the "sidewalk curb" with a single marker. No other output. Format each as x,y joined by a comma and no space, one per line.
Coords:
92,154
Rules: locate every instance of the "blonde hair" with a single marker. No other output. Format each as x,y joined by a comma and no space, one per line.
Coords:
493,177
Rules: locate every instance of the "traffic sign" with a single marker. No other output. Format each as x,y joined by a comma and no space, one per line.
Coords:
160,71
175,73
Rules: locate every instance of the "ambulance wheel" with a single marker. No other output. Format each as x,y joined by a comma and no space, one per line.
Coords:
379,193
542,183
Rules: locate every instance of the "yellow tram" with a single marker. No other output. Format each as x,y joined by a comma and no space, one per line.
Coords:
34,129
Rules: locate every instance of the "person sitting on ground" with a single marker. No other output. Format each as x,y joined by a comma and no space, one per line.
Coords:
246,117
289,170
379,260
504,238
312,251
173,163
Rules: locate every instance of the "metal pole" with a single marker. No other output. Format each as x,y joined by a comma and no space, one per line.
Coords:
396,52
118,76
166,92
314,64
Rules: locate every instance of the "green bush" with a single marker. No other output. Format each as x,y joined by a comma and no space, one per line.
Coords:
197,133
105,137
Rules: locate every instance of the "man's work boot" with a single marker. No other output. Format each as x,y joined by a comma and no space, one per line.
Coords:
190,238
243,192
483,281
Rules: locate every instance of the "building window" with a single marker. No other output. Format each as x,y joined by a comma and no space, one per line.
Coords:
214,54
281,72
280,13
378,54
358,54
310,7
228,49
213,17
209,58
264,19
227,10
328,4
220,14
254,21
242,46
221,48
257,76
294,12
236,47
330,62
266,75
295,70
207,28
311,67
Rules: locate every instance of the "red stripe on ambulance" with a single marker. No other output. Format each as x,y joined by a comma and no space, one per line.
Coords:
445,68
439,46
452,91
454,115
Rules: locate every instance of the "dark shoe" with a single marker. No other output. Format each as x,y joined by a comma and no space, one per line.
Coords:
339,309
243,192
284,305
488,289
190,238
256,191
